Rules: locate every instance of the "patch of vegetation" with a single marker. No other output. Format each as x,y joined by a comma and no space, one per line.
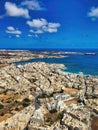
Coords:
26,102
16,101
2,100
60,116
61,91
51,95
32,80
70,128
9,101
53,111
1,106
6,124
16,109
79,101
49,120
5,92
2,114
43,96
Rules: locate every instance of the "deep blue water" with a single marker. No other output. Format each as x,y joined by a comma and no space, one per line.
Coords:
75,63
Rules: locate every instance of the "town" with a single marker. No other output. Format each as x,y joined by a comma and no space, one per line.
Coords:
40,96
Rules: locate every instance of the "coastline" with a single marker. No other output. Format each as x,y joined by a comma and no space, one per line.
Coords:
75,62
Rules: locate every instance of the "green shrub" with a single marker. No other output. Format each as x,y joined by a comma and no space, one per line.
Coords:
53,111
49,120
9,101
26,102
60,116
43,96
1,106
16,109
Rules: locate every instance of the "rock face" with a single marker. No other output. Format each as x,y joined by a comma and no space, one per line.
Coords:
55,100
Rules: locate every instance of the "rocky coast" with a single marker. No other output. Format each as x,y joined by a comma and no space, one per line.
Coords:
10,56
39,96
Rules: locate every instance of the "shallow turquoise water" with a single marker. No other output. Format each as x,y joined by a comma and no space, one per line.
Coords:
75,63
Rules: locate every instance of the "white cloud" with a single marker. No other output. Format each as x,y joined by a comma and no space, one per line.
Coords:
39,31
35,36
18,36
21,10
42,25
14,11
29,35
32,31
93,12
31,4
37,23
53,25
12,30
51,30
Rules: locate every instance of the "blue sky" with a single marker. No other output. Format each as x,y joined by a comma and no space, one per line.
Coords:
49,24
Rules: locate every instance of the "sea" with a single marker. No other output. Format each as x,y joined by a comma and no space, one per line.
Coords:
85,60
